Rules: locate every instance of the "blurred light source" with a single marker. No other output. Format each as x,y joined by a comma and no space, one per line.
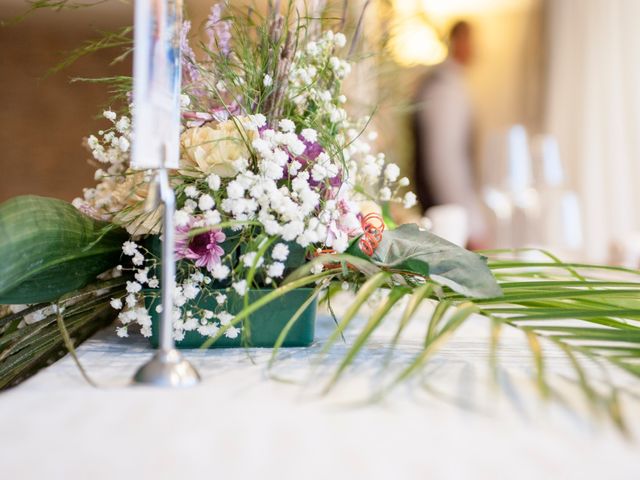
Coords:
415,39
416,43
445,10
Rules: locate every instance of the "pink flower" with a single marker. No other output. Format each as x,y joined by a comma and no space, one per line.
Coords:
204,248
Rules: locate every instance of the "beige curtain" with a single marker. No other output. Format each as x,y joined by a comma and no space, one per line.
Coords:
593,108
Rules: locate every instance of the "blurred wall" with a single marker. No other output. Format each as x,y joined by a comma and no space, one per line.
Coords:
43,120
593,108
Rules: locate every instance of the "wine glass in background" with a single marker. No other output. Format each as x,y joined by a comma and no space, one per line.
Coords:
508,191
524,197
561,224
497,204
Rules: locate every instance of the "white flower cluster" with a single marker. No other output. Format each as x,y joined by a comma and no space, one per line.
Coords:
111,150
315,78
253,189
132,306
186,316
291,197
371,171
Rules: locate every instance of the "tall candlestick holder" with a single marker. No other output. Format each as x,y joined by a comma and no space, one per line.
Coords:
156,126
167,367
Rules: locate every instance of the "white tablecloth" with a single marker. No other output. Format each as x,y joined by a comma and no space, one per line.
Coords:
452,422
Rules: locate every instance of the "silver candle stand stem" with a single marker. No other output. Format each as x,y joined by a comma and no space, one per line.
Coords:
167,367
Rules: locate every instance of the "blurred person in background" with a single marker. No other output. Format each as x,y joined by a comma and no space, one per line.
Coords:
443,134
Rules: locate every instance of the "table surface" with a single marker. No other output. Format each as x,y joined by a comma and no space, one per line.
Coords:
246,421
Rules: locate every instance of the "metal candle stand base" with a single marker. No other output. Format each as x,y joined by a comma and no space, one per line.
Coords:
167,367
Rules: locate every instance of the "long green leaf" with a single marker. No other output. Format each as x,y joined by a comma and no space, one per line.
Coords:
374,321
48,248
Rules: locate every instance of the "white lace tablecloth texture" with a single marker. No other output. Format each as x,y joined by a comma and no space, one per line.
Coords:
244,422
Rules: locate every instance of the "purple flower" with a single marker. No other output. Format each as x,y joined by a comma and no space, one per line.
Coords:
204,248
219,31
188,56
311,152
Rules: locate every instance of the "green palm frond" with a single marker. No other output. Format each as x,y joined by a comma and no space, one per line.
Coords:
588,317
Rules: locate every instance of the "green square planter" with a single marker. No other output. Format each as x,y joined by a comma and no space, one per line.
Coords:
266,323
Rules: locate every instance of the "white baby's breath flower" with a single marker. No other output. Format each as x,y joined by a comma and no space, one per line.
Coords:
312,48
409,200
213,181
138,259
212,217
317,268
129,248
294,167
221,298
191,191
292,229
240,287
259,120
232,332
181,218
210,330
385,194
267,81
392,172
297,147
403,182
275,270
133,287
131,300
109,115
141,275
309,134
286,125
339,40
249,258
123,124
225,318
235,190
197,277
178,297
271,170
123,144
122,332
116,303
280,252
190,291
189,205
280,157
154,283
206,202
220,271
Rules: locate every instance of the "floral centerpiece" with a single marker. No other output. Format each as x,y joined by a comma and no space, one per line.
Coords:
273,173
281,198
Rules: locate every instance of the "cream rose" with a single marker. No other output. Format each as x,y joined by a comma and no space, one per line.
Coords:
213,150
129,196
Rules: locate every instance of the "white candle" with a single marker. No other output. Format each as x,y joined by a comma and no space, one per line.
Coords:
156,84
